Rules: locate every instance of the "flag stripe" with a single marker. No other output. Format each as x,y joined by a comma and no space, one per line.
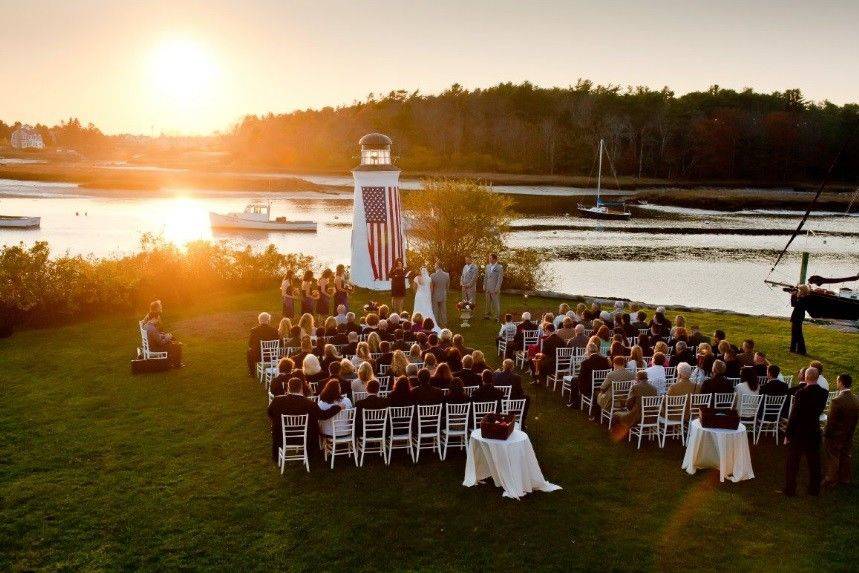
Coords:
384,228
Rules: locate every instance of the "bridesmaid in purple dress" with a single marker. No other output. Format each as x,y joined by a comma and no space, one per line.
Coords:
307,286
326,289
341,287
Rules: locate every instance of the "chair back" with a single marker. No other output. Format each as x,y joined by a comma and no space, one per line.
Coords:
293,428
516,407
269,351
506,390
343,424
144,339
675,407
832,394
469,390
401,419
456,417
358,395
773,405
563,358
598,377
788,380
480,409
651,406
429,417
697,402
670,374
383,368
749,406
620,393
723,400
384,382
374,421
733,381
530,338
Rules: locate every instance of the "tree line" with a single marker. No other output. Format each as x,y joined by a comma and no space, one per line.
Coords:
717,134
69,134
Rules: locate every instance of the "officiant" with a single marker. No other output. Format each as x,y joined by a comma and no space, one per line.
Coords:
398,285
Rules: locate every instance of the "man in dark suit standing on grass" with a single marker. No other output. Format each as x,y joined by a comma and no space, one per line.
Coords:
802,436
838,435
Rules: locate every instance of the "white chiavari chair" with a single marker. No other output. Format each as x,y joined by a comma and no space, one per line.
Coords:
294,440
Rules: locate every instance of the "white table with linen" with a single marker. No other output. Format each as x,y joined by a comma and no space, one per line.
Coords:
511,463
725,450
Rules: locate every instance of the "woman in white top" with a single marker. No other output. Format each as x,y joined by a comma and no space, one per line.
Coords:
636,358
365,374
748,383
328,398
656,374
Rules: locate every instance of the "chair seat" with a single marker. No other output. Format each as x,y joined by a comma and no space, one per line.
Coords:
669,421
454,432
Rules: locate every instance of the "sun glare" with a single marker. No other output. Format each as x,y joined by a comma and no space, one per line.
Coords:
182,70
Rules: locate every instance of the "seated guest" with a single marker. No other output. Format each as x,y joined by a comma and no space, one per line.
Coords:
567,331
307,324
467,375
329,357
732,363
684,385
459,344
342,317
263,331
429,325
479,362
329,329
412,375
365,374
579,340
417,322
295,404
506,376
415,354
372,402
456,394
526,324
279,383
401,395
661,347
640,389
760,364
434,349
374,342
371,323
284,327
696,337
507,333
312,370
445,339
629,331
679,323
442,377
619,373
430,362
329,398
294,339
594,361
644,343
351,324
838,435
563,309
386,355
704,358
545,360
748,383
717,383
681,354
486,392
641,321
774,386
636,359
305,349
659,325
656,374
747,356
399,363
618,349
362,354
345,376
453,359
384,332
426,393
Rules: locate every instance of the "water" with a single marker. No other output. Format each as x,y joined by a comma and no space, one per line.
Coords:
664,255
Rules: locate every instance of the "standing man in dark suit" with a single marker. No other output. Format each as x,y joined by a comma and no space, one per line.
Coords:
802,436
295,404
838,435
262,331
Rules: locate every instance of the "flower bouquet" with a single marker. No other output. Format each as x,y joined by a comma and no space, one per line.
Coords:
465,307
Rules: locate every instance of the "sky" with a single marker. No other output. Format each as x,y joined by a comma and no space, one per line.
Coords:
194,67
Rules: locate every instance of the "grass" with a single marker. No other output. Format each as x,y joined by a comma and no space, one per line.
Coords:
103,470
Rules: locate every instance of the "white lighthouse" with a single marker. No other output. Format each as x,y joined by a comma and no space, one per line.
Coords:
377,223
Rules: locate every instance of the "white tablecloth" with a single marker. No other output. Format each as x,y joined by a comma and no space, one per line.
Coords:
725,450
511,464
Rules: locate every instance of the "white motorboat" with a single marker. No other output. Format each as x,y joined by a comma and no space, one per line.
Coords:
13,222
258,216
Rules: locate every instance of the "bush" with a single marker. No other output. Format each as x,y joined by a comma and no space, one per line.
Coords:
37,290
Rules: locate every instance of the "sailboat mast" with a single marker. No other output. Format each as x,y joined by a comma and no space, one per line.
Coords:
599,174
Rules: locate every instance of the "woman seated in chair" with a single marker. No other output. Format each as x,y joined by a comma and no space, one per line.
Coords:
158,340
328,398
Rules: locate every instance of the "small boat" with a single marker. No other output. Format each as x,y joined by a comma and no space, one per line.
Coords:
258,216
603,209
13,222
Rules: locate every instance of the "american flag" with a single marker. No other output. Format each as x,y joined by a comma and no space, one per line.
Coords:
384,228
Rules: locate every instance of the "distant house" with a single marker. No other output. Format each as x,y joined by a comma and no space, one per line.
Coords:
25,137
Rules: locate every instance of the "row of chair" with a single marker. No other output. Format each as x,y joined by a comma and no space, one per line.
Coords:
413,428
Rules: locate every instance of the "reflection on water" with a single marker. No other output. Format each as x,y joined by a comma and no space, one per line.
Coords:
702,260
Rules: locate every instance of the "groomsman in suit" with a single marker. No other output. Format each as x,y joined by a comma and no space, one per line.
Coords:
439,283
838,435
492,279
468,280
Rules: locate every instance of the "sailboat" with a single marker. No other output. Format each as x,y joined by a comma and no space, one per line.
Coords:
821,302
602,209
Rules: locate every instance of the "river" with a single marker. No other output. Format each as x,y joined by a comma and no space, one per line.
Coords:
664,255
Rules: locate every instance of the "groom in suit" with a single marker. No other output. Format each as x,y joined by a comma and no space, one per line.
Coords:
468,280
492,279
440,282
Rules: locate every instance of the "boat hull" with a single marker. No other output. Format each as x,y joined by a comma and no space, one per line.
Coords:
605,215
219,221
825,305
20,222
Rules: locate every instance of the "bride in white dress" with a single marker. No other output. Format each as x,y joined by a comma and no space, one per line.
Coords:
423,297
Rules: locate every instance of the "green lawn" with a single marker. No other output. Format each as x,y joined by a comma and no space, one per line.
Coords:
101,469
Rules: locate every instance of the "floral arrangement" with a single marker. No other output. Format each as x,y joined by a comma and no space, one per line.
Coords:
371,306
465,305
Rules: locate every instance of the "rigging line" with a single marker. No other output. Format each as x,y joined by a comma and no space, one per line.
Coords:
808,211
613,172
852,200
